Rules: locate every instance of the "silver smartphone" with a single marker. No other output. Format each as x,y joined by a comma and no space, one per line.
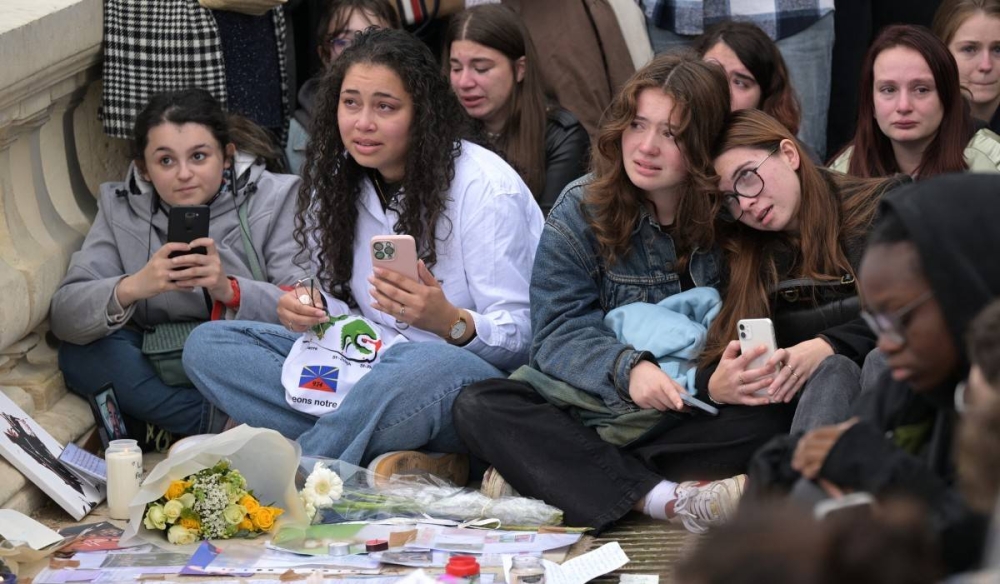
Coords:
753,333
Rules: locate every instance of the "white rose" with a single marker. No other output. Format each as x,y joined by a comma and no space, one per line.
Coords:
180,535
155,518
172,510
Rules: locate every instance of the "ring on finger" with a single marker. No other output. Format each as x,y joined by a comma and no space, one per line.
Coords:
795,375
402,310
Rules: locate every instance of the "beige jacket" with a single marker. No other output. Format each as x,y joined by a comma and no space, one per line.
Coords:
982,154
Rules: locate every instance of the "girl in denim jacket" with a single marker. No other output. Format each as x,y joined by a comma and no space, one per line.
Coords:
638,229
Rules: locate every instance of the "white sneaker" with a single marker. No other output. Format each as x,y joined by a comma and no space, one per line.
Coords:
699,505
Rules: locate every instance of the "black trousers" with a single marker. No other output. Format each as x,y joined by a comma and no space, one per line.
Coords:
546,453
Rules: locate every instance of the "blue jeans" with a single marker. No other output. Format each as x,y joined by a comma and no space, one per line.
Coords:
403,403
809,58
117,359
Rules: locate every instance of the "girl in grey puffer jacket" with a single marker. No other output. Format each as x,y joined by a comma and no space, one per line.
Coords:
123,281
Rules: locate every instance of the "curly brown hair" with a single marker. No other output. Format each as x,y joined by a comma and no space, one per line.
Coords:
327,201
690,83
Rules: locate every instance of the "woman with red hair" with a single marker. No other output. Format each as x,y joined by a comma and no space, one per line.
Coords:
911,115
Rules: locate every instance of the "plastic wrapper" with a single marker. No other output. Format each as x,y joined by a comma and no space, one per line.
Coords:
265,458
355,496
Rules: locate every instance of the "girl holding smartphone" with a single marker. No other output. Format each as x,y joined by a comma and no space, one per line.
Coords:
793,235
187,151
389,155
635,231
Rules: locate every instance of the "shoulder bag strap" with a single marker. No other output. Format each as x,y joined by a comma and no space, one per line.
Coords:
255,267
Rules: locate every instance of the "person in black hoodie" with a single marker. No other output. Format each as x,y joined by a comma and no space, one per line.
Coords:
929,268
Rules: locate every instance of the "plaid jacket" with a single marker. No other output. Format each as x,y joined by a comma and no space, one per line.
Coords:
778,18
165,45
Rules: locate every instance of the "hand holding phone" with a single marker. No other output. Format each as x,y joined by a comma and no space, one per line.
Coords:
187,224
754,333
397,253
693,402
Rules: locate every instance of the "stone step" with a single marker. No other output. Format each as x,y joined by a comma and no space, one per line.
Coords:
41,380
67,420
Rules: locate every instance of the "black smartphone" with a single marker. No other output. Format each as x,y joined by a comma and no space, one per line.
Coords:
186,225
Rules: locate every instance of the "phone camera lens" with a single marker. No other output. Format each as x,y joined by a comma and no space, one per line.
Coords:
379,255
743,335
742,327
378,246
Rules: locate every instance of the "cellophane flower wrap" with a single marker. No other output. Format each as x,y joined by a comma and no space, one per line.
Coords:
332,491
225,469
214,503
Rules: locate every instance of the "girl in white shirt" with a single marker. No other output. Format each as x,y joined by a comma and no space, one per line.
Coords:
388,156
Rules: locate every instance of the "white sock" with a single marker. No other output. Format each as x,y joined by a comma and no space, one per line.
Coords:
657,499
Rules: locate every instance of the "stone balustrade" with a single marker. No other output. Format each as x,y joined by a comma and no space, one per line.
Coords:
53,156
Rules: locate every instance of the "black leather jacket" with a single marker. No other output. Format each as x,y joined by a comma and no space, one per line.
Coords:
567,148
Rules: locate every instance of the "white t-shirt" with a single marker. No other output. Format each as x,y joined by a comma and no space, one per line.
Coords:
486,241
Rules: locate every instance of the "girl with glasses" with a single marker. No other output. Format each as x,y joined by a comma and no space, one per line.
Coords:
793,240
912,118
339,23
495,72
635,232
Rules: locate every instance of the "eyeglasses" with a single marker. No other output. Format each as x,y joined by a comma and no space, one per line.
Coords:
338,44
748,185
892,325
305,291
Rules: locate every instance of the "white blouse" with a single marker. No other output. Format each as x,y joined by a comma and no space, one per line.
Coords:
486,243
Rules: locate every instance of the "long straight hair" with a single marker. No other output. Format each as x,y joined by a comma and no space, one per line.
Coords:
834,209
761,57
617,203
522,139
873,154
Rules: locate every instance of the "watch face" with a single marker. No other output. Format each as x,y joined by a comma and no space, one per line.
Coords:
458,329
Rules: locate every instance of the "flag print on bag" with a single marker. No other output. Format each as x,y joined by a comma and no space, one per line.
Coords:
324,364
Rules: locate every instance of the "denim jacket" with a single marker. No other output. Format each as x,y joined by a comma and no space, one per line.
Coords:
572,288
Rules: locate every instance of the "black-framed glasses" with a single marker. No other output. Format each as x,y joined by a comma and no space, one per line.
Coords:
892,325
748,185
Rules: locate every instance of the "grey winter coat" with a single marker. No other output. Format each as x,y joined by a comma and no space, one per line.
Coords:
121,241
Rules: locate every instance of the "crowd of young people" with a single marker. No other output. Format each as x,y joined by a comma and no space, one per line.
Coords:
564,351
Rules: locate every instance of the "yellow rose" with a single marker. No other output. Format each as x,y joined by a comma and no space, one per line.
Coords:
245,525
250,503
191,524
263,518
176,489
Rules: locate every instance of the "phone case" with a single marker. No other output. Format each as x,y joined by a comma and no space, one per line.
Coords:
187,224
397,253
754,332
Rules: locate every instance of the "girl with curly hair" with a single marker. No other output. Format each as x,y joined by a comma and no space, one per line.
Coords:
389,155
625,251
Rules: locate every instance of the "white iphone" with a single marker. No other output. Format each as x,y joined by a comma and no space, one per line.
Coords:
753,333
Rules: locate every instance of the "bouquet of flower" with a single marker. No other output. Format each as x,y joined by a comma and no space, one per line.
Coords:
333,491
210,504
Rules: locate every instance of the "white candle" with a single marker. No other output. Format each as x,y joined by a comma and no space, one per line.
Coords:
124,459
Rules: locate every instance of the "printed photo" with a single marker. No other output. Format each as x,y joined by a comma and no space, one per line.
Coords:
30,449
